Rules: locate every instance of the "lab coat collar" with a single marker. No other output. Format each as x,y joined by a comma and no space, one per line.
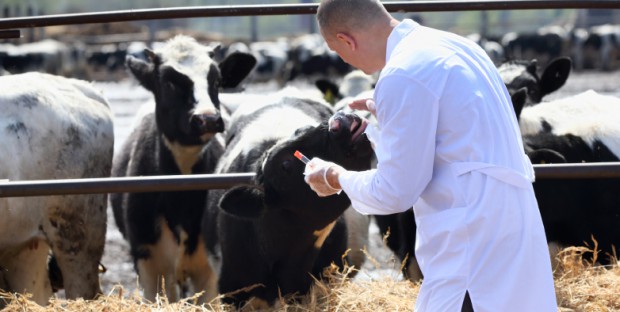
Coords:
398,33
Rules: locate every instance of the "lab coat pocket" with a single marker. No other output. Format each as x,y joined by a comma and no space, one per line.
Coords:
442,241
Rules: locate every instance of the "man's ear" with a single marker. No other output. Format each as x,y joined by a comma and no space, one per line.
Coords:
348,40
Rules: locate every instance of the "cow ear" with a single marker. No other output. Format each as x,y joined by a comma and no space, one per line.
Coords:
235,68
243,201
216,49
143,71
518,101
546,156
555,75
329,90
532,67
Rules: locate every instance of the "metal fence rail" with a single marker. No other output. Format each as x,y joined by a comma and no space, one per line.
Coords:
293,9
124,184
222,181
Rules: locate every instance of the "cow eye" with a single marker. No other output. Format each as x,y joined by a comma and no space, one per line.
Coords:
286,165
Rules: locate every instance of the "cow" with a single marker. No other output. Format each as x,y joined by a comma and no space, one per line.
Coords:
352,84
547,43
272,235
271,58
582,128
48,56
491,46
522,79
310,58
601,48
53,128
178,137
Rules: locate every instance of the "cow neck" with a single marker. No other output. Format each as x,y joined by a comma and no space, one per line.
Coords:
185,156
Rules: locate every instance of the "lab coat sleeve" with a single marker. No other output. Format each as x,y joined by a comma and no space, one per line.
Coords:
407,115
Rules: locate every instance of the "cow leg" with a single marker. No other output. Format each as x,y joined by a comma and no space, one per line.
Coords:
26,271
197,267
554,250
160,264
413,270
76,230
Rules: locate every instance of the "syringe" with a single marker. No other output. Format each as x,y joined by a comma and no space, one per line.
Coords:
301,157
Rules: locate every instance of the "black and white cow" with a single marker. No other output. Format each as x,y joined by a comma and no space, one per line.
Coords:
48,56
522,79
309,57
53,128
271,58
601,49
276,233
163,228
577,129
547,43
352,84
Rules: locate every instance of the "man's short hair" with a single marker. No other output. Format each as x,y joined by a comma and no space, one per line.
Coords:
347,15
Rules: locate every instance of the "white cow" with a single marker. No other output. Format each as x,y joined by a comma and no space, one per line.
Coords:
52,128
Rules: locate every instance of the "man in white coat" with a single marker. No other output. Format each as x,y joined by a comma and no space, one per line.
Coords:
448,145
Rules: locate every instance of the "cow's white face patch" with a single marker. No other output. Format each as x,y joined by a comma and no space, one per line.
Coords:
184,156
190,58
588,115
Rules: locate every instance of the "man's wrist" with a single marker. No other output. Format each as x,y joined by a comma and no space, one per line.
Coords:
331,177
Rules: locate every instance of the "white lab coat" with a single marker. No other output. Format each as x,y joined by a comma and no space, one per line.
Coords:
448,144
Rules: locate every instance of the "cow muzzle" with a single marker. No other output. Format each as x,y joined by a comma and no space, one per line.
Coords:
203,123
342,123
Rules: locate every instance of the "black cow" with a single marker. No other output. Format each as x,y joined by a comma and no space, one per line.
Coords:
276,232
163,229
577,129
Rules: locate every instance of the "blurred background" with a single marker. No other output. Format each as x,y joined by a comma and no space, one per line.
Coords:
492,23
590,37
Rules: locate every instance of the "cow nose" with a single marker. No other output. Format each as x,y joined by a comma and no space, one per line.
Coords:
338,122
335,123
207,123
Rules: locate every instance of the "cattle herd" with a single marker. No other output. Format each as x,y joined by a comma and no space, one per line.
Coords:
285,59
271,237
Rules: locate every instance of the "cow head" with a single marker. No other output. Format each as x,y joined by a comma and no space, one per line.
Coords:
523,74
185,81
280,187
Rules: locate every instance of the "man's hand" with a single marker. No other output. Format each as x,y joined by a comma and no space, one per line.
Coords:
322,177
365,105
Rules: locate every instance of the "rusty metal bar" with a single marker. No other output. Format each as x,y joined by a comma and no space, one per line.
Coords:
10,34
123,185
223,181
292,9
578,170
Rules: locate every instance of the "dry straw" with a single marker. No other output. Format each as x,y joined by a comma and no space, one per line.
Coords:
580,286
